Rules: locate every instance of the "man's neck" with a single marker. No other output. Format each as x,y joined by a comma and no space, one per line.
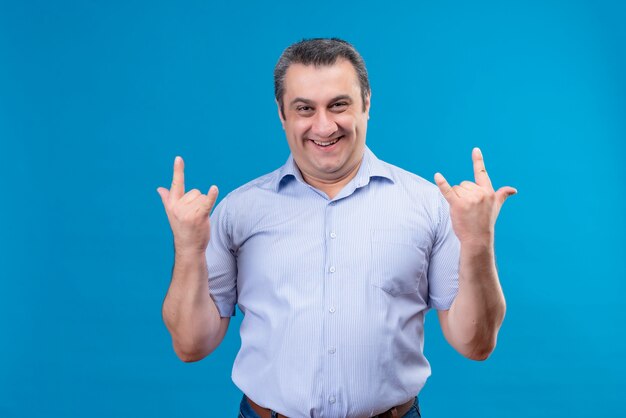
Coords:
332,187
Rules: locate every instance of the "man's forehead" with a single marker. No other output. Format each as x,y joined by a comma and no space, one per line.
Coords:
315,77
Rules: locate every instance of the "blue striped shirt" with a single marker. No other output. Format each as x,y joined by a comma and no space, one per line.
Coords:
333,291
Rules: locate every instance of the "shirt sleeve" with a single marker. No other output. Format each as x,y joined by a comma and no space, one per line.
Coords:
222,262
443,268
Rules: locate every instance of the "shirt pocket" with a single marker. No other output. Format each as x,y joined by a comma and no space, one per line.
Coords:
398,261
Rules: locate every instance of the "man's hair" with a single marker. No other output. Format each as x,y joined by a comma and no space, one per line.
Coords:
318,52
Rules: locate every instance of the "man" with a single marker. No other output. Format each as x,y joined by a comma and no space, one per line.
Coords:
334,258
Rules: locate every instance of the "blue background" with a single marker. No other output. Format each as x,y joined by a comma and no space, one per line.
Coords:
96,99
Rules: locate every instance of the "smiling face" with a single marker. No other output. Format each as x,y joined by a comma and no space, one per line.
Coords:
325,122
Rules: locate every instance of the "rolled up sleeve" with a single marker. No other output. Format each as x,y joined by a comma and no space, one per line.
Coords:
222,262
443,269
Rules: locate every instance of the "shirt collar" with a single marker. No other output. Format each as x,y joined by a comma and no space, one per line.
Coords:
371,167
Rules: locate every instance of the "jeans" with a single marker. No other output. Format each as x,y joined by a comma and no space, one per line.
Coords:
246,411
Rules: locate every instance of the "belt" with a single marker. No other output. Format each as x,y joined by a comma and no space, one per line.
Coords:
395,412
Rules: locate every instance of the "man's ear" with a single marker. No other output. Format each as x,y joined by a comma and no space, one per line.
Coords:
280,114
367,104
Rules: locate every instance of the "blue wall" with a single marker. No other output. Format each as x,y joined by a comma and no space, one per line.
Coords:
96,99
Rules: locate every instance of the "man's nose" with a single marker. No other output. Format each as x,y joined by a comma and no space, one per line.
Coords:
323,125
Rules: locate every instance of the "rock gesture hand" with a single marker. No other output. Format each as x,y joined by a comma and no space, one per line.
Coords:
188,213
474,207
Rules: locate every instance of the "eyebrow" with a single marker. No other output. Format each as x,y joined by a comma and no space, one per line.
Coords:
310,102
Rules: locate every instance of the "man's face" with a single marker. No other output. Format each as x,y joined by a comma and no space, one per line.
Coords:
325,120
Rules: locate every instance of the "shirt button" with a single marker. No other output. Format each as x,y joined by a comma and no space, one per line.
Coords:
331,350
331,310
333,235
332,269
331,399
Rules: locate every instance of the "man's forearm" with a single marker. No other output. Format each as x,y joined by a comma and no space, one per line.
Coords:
189,313
479,307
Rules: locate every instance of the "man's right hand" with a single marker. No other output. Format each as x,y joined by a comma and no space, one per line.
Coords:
188,213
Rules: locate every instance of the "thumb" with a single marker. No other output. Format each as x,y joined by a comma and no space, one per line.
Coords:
503,193
212,197
446,190
164,193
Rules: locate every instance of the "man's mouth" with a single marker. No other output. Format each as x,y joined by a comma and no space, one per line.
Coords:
325,144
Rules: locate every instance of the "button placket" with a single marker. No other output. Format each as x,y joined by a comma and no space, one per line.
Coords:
330,289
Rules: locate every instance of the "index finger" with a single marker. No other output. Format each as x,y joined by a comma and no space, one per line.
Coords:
480,172
178,180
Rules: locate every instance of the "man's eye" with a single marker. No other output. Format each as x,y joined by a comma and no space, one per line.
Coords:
304,108
339,105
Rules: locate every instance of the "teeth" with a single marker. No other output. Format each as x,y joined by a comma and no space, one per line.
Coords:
326,144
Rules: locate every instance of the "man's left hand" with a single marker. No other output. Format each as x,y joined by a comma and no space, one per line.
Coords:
474,207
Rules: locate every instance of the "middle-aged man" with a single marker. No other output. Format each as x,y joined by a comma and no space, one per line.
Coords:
334,258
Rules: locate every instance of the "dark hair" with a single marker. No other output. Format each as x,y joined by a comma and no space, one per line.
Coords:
318,52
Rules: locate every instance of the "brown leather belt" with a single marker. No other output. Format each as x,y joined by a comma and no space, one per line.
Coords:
395,412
